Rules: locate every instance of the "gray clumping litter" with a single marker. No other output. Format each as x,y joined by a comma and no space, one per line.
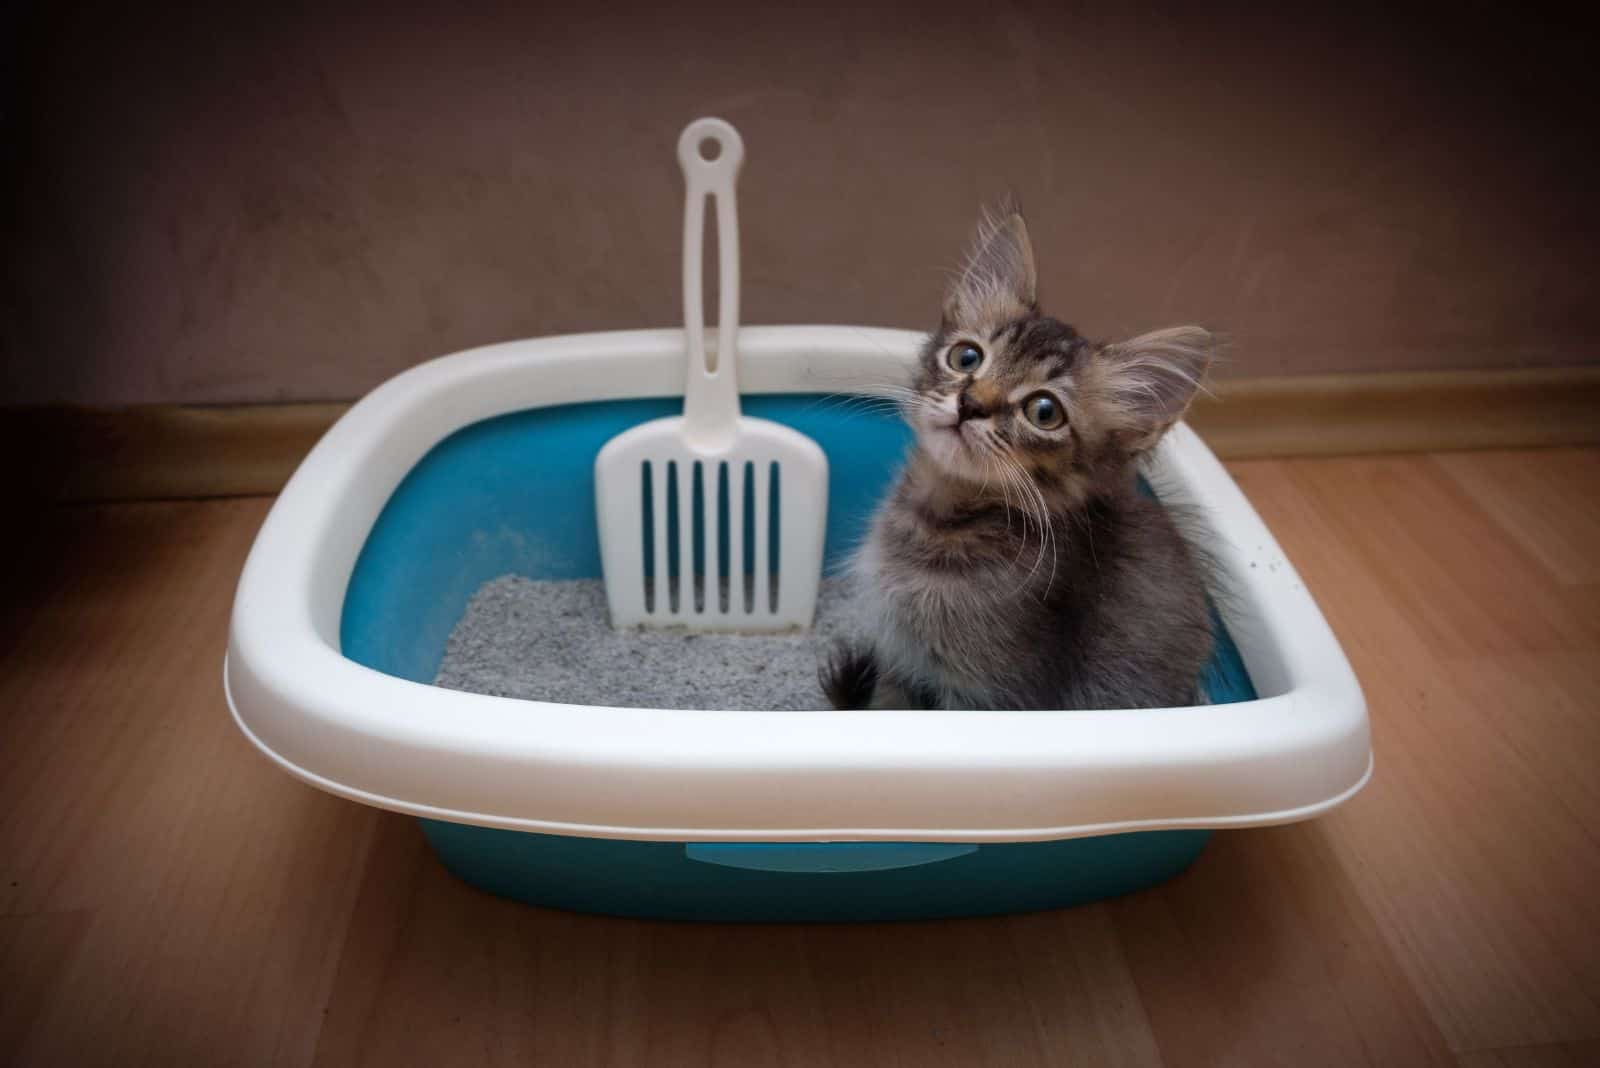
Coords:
553,641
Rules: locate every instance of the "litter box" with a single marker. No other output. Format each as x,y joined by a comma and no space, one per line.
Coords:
481,464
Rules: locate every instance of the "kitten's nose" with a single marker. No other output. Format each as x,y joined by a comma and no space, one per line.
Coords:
968,408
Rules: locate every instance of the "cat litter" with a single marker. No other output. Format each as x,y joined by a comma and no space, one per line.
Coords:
552,641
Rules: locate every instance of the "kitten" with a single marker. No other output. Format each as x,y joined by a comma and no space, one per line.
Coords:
1015,564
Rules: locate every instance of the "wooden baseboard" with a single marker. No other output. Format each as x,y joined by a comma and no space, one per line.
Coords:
162,451
166,451
1333,415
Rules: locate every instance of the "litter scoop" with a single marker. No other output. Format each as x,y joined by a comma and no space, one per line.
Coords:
711,520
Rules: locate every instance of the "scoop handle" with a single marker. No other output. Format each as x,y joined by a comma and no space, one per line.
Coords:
711,389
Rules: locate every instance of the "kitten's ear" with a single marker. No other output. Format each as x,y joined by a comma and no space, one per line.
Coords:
1148,381
998,282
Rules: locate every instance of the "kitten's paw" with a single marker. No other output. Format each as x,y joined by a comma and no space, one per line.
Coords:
849,676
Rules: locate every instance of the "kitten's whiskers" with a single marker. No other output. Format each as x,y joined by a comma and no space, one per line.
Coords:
1034,506
1047,534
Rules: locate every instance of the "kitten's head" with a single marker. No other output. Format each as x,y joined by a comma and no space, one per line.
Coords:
1004,392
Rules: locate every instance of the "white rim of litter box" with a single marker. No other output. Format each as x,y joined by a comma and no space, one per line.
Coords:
685,775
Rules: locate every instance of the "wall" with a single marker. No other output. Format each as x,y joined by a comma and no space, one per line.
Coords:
297,203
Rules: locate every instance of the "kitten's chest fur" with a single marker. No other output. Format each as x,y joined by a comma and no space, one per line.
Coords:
942,579
974,603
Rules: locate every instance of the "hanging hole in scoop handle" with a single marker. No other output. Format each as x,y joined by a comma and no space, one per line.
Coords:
711,152
710,147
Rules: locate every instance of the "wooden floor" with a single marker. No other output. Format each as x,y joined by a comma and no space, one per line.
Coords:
168,897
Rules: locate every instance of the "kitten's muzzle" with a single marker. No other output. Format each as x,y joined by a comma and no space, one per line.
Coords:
968,407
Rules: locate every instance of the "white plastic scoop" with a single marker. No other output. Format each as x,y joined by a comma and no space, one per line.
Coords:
711,520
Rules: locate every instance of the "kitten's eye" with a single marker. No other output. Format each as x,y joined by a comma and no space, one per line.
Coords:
1044,411
965,357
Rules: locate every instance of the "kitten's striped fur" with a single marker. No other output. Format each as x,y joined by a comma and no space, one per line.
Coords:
1017,566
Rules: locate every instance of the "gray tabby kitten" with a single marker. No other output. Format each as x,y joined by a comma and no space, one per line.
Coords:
1015,565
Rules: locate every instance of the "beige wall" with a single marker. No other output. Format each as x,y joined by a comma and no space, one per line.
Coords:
296,206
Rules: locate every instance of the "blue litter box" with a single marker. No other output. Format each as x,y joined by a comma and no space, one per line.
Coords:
481,464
